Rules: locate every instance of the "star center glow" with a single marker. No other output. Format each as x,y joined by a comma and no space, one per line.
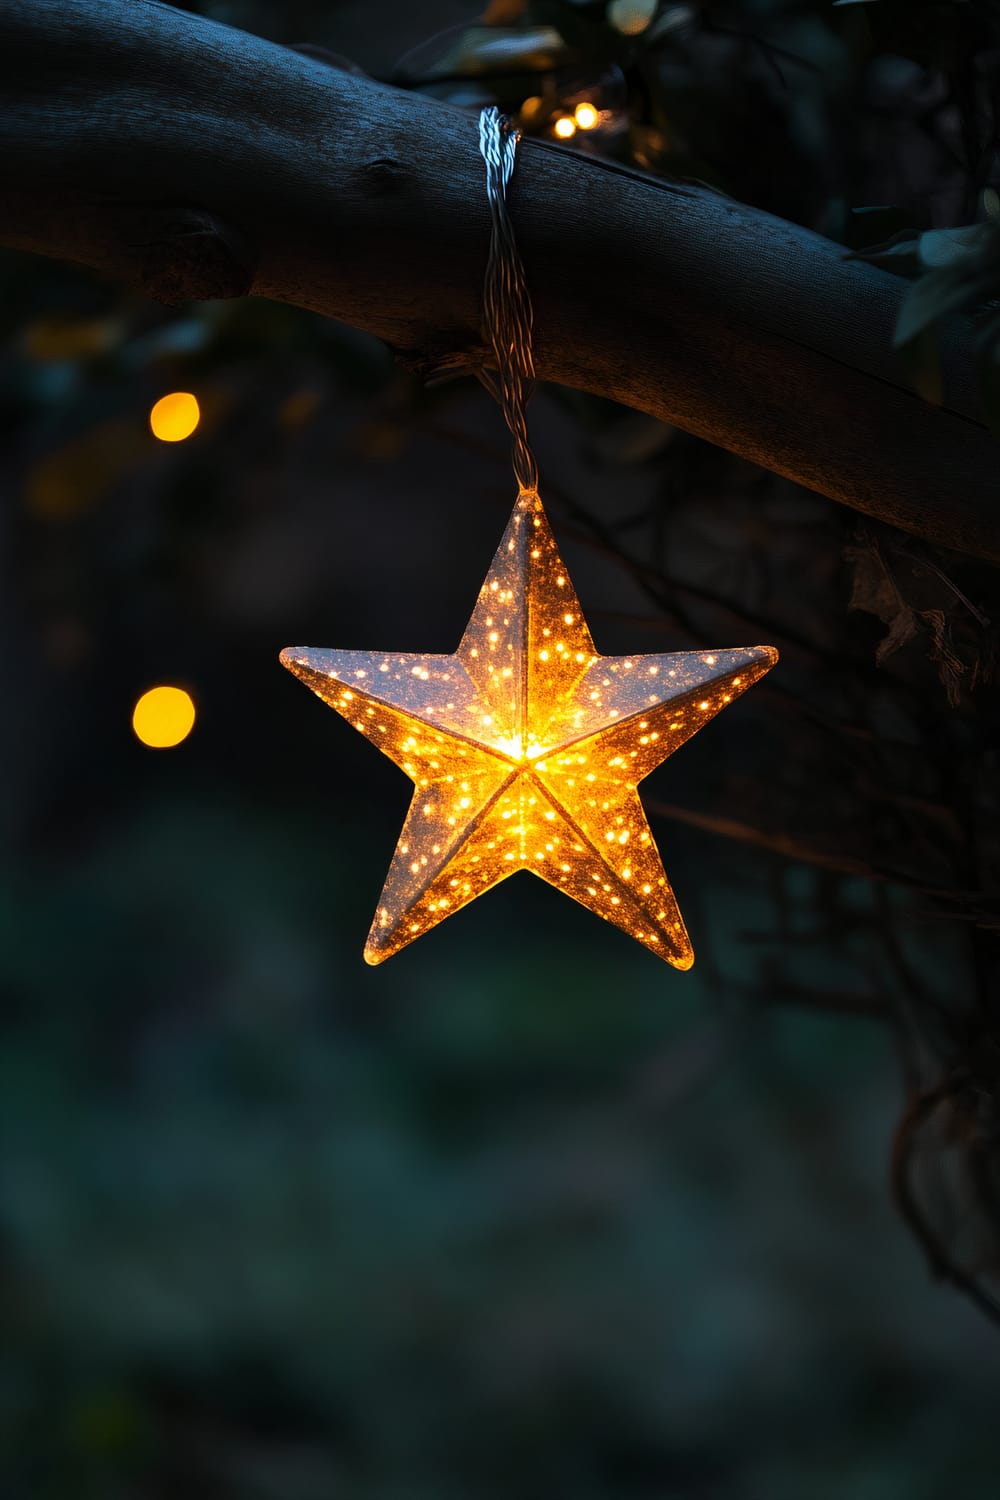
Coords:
526,749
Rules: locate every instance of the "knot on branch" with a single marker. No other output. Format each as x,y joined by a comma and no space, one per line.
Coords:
381,175
187,254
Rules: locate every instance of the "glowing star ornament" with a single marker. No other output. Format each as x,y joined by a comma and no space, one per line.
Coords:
526,749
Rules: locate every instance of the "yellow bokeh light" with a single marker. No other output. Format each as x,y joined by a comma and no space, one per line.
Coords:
528,756
586,116
163,717
175,417
564,127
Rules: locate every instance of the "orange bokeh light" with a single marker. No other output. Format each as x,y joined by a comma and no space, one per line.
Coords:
163,717
175,417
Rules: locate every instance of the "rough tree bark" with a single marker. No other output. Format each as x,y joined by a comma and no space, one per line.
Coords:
194,161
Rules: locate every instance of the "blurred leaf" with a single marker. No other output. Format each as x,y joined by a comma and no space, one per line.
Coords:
50,339
939,294
187,335
583,32
675,18
957,270
486,50
875,592
961,271
71,479
899,254
948,247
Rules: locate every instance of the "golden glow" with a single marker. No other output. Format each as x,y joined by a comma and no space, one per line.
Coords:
174,417
163,717
528,757
586,116
564,127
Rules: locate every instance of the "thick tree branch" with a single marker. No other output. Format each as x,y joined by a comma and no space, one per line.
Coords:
193,161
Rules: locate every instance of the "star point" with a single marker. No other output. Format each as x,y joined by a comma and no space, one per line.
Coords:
526,749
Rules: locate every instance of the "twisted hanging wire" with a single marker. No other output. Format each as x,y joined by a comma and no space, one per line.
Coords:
508,312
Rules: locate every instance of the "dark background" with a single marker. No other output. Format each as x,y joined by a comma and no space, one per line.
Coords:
522,1213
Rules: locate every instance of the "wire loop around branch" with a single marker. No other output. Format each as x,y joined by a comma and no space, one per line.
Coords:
508,312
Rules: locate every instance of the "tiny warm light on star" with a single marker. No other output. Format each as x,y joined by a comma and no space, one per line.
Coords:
174,417
526,749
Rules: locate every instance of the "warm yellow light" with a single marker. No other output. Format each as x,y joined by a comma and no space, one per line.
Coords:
586,116
526,758
175,417
564,127
163,717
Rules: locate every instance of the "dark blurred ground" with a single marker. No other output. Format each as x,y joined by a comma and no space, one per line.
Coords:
522,1213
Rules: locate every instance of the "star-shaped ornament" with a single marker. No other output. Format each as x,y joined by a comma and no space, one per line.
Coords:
527,748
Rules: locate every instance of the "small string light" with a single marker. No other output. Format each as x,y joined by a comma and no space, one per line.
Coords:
174,417
586,116
163,717
564,127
